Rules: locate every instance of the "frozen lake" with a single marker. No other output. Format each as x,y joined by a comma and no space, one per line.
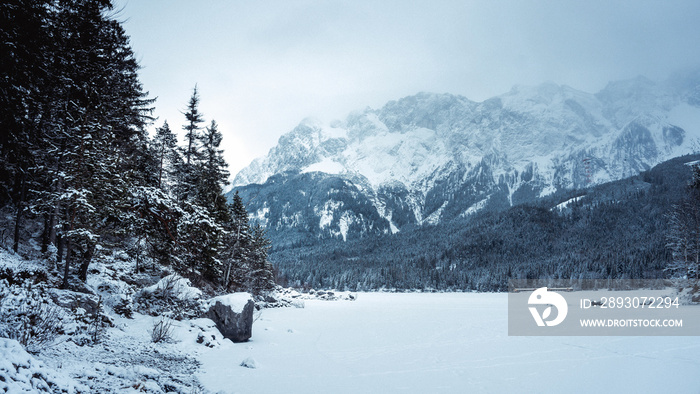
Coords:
438,343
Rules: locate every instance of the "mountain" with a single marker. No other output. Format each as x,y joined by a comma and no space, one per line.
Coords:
616,230
431,158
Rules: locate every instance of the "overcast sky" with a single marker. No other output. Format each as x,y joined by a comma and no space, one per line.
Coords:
263,66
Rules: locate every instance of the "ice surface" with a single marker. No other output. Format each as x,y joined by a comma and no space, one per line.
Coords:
437,343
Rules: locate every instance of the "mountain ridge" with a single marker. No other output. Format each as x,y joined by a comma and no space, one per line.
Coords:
432,157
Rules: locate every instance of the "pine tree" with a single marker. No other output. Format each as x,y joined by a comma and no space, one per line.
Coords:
24,50
261,277
683,237
237,247
166,155
212,174
185,171
194,119
92,132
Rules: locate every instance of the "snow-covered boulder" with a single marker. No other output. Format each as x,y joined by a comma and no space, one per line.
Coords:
74,300
233,315
174,286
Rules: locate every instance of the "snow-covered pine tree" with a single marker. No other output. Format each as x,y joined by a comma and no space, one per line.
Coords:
185,171
261,277
212,175
194,119
153,225
92,136
166,155
237,247
24,51
200,244
199,180
683,236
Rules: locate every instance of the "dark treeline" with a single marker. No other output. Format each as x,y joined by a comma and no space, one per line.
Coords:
616,230
77,163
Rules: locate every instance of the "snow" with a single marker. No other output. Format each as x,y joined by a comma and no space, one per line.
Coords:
397,157
236,301
687,117
392,227
16,263
177,286
436,343
327,165
125,359
380,342
261,215
474,208
344,224
334,130
434,217
21,372
566,203
326,216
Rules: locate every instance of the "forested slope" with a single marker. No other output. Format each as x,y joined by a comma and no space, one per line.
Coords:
615,230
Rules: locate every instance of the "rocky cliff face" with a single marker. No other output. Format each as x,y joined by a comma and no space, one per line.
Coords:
432,157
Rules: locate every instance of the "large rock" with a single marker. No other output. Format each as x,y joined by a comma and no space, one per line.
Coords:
74,299
233,315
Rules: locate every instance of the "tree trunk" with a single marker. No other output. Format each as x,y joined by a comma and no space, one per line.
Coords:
45,235
87,258
57,208
66,268
52,226
59,249
160,169
21,184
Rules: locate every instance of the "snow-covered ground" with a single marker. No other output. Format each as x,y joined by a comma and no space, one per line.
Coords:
356,343
437,343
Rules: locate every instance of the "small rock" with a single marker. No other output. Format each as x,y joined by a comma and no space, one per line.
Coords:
249,363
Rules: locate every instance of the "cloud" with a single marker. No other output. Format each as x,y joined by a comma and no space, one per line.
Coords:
262,66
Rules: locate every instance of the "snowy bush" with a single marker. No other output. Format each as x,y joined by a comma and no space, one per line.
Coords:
172,296
29,316
162,330
124,307
175,286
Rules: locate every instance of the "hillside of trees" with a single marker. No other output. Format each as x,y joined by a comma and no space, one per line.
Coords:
80,176
615,230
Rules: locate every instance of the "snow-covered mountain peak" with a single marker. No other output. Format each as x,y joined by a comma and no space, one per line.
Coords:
546,95
423,158
424,110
